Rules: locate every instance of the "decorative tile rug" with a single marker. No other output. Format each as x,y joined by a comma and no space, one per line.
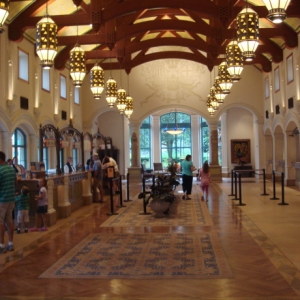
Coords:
143,256
189,213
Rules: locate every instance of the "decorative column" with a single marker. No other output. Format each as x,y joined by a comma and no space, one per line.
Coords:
34,147
225,168
87,196
155,132
215,168
259,144
51,214
135,169
196,158
64,206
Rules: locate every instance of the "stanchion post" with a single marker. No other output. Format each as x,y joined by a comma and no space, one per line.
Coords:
112,209
240,191
264,183
127,188
282,190
274,187
144,201
121,194
235,188
231,194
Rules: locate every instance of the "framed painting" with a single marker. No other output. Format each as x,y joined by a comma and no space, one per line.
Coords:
240,152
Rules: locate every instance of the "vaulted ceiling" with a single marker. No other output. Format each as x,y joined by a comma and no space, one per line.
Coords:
127,33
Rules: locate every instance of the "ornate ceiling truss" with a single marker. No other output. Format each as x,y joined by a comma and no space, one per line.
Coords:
133,32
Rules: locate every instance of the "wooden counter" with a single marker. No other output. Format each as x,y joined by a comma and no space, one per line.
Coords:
66,193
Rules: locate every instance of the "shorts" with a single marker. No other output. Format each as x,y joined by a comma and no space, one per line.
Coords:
6,209
42,209
97,182
23,216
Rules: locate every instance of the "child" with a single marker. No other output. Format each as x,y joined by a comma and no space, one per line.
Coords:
42,208
23,208
204,177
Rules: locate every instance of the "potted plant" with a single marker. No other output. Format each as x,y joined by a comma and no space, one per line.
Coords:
161,194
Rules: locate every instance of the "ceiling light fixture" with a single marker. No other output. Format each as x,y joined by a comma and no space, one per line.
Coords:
121,96
277,10
4,7
129,102
46,40
77,63
220,95
97,81
173,130
225,78
248,32
111,90
234,60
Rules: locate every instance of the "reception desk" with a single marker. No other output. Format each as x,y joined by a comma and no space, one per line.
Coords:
66,193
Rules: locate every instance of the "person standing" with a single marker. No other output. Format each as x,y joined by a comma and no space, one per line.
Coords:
42,207
7,203
204,177
68,167
110,162
23,209
18,168
187,169
98,178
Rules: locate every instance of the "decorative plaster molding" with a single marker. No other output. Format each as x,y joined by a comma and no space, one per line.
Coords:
56,117
11,105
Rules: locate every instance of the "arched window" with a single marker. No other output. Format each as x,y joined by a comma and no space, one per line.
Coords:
145,142
175,147
18,142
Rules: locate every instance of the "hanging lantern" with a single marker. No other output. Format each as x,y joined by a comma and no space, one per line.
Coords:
111,92
121,100
46,41
77,65
248,32
277,10
4,7
210,109
234,60
213,100
225,78
218,91
129,107
97,81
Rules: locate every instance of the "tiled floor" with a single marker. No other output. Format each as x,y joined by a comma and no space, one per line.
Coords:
260,241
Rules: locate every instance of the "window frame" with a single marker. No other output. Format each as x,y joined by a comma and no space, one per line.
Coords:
63,86
180,152
289,69
276,80
76,94
23,65
145,127
18,148
46,79
267,88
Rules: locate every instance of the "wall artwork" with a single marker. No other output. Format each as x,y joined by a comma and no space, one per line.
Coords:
240,152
